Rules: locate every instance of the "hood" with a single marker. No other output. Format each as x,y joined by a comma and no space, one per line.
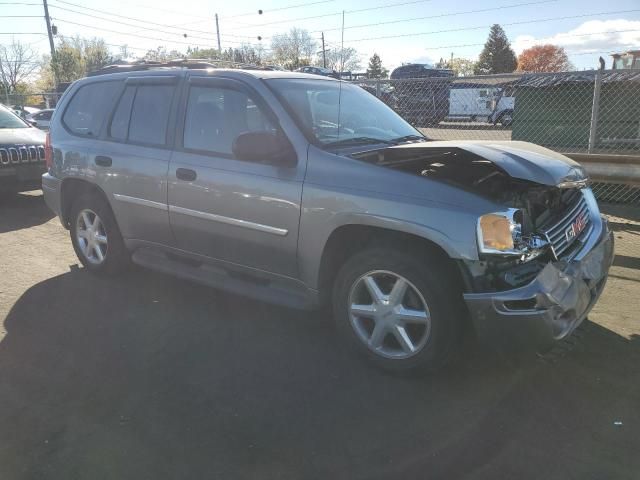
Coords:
22,136
522,160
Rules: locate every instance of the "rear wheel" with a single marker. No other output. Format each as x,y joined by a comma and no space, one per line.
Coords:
95,235
401,310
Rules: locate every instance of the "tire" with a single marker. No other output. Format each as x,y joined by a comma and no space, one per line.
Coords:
115,257
428,280
506,119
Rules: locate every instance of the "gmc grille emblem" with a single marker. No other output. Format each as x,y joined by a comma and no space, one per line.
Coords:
576,227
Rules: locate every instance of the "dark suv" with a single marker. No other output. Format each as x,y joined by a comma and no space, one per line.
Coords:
21,153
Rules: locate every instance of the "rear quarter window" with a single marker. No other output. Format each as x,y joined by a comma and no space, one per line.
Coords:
89,107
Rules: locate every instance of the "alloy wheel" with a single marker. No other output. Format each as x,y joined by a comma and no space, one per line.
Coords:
91,236
389,314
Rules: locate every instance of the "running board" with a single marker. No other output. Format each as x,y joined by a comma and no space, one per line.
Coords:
278,291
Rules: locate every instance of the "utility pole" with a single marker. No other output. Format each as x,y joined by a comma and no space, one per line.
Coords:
218,35
324,53
342,47
50,34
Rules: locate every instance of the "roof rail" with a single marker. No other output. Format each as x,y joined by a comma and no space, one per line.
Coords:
149,65
189,63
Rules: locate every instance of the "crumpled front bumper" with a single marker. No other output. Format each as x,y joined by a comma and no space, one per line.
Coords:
551,306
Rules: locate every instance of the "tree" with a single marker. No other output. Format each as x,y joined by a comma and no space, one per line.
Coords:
544,58
462,67
18,62
375,69
497,55
292,49
341,60
160,54
75,57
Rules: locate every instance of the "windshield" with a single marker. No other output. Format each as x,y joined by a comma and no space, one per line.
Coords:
336,113
10,120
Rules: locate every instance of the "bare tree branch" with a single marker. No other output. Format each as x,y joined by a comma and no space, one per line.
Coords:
17,63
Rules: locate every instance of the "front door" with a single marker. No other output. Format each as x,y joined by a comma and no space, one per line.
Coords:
239,212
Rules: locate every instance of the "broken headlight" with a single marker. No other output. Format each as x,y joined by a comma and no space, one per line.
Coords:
501,233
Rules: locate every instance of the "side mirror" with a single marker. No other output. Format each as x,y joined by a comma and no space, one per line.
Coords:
264,147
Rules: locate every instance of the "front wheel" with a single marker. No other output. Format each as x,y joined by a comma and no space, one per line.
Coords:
401,310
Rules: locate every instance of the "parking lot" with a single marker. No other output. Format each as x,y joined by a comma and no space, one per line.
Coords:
145,376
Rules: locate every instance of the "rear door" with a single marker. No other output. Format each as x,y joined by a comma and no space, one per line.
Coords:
135,157
239,212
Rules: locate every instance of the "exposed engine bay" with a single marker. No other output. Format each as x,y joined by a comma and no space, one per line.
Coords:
536,207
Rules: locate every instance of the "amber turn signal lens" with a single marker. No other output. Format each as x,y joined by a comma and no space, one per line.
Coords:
496,232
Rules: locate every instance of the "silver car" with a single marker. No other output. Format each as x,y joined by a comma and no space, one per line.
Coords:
307,191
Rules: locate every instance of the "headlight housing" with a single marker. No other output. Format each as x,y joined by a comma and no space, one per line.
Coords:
501,233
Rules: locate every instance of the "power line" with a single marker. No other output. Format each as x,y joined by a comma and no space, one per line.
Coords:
129,18
442,47
541,20
22,33
280,8
379,7
152,38
452,14
20,16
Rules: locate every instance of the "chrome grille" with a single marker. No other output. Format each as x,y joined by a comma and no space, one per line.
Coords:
21,154
24,154
33,153
15,156
558,232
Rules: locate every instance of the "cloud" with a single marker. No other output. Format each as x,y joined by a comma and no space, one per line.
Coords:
589,37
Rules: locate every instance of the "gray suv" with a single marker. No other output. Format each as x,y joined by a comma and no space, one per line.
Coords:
307,191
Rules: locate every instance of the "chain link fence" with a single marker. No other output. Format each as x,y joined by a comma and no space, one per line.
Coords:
593,112
582,114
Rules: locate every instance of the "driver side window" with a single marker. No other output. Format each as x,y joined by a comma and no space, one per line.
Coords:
216,116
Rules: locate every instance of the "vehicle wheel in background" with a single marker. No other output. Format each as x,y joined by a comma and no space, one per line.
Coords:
95,235
506,119
401,310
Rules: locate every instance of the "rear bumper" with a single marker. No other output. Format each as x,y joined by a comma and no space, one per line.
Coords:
549,308
51,191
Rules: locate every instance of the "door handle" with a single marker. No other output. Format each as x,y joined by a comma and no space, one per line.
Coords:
103,161
186,174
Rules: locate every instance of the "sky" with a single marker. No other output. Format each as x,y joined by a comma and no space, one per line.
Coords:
400,31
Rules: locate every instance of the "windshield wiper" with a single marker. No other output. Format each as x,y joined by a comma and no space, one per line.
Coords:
358,141
408,138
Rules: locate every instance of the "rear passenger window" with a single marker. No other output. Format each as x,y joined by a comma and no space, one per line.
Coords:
150,114
89,107
120,123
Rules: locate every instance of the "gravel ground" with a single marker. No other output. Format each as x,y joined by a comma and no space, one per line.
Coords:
145,376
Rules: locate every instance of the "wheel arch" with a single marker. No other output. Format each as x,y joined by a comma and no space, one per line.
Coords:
71,189
348,239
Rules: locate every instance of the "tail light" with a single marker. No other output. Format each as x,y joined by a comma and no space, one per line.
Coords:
48,152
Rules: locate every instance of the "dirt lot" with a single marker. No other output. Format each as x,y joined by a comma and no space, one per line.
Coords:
144,376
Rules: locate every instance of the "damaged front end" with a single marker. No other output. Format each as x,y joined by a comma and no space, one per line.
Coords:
515,242
543,256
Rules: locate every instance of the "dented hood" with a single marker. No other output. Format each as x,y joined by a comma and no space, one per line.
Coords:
522,160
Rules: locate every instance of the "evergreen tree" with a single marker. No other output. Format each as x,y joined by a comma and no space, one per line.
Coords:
497,55
375,69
